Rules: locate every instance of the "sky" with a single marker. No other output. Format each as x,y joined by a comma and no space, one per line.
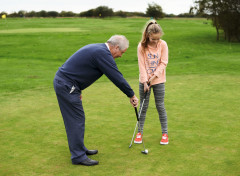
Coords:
169,6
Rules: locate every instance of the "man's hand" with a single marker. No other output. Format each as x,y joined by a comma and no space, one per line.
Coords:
134,101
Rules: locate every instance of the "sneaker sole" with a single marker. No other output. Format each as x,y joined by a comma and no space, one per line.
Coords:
164,143
137,142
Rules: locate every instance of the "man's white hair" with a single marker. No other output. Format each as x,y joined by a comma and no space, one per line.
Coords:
119,40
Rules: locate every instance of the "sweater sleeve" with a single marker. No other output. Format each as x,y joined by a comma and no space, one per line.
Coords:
106,64
141,63
163,61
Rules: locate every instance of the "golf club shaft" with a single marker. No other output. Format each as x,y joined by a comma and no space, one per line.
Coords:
140,111
139,115
138,124
133,134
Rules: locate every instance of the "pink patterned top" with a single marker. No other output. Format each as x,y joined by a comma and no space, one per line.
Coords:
153,61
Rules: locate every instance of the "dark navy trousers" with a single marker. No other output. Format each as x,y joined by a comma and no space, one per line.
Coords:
73,117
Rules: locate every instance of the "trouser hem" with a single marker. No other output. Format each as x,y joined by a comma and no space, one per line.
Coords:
79,159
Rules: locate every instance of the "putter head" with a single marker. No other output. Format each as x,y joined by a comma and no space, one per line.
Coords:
145,151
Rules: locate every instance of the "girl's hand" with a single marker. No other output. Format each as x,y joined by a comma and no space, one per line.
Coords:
151,79
146,87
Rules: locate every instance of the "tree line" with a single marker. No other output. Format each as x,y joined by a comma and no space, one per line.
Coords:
153,10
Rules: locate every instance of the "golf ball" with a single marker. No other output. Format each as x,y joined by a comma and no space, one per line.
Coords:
146,150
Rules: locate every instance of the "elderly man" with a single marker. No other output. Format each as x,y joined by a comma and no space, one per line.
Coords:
83,68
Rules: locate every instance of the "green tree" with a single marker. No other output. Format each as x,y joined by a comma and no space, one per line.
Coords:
88,13
42,13
154,10
121,14
31,14
21,13
3,13
52,14
67,14
225,15
103,11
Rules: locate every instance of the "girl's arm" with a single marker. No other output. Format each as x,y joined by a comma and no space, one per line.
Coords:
141,64
142,68
163,61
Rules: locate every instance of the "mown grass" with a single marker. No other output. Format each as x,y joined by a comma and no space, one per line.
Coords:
202,99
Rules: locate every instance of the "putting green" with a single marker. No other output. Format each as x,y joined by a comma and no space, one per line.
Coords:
37,30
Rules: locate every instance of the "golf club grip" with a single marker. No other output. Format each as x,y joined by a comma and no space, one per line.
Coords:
145,95
136,111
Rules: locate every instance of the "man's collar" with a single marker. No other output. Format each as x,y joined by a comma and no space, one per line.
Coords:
107,46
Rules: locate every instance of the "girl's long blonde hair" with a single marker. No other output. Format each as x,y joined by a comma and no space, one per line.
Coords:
152,27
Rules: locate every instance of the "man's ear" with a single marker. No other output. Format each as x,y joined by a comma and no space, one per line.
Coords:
117,47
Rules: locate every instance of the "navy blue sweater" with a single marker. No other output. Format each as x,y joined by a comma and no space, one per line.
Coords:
89,63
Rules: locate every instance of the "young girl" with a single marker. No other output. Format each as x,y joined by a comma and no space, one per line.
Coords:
152,60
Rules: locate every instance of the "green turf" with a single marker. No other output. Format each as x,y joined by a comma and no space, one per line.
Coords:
39,30
202,101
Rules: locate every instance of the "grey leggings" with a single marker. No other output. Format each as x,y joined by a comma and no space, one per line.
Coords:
159,92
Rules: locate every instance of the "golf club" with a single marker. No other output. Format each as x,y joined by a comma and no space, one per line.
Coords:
137,124
145,151
133,135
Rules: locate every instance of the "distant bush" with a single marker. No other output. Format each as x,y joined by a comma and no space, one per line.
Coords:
154,10
42,13
88,13
121,14
101,11
52,14
67,14
170,15
187,15
129,14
